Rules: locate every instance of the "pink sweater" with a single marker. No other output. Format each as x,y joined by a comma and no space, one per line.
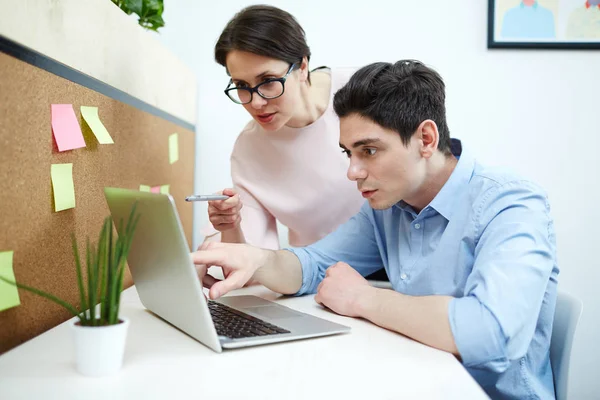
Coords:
296,176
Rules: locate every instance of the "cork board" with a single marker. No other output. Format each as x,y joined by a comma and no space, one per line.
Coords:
29,226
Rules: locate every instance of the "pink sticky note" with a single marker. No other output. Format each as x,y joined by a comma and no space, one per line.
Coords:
65,127
155,189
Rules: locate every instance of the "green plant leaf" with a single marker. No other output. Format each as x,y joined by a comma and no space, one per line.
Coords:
152,7
71,308
91,283
135,6
152,22
89,275
148,11
82,300
105,274
107,266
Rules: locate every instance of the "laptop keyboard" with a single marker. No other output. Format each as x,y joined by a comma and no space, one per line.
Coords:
236,324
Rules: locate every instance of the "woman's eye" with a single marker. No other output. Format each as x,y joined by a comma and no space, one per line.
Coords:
266,84
370,152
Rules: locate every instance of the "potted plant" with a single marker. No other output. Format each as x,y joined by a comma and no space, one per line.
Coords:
99,332
149,12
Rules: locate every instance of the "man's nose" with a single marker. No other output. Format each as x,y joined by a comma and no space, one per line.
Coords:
356,171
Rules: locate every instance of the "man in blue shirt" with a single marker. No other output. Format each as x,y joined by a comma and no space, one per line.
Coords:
469,250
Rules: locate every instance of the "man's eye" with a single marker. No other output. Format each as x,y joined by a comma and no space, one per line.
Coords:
346,152
241,85
370,151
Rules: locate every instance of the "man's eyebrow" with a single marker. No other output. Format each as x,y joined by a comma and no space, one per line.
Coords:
364,142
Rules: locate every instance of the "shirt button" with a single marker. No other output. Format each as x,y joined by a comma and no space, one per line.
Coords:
403,276
417,226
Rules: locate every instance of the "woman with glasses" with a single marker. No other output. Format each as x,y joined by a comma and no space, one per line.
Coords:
286,164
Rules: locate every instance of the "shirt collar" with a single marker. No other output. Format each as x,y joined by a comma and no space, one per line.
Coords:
445,201
588,5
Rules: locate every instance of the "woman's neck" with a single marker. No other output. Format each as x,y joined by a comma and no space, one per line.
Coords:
314,100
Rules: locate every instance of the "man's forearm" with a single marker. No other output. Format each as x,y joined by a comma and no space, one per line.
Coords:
423,318
281,272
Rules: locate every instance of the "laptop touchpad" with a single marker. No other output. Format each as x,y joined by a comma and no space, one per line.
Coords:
273,312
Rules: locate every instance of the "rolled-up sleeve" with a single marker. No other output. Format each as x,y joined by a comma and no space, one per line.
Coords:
494,322
353,243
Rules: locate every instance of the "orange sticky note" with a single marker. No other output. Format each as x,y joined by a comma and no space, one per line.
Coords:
65,127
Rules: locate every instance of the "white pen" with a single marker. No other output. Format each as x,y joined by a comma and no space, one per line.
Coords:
206,197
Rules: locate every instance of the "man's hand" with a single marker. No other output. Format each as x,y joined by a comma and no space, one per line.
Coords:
239,263
342,290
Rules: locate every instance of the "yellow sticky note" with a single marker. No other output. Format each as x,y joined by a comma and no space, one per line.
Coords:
144,188
9,295
164,189
173,148
62,183
90,114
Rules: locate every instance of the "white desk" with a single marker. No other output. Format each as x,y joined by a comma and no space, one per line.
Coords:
163,363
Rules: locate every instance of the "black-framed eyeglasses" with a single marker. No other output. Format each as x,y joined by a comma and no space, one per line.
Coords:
269,89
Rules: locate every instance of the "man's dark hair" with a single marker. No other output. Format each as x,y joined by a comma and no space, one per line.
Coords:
264,30
398,97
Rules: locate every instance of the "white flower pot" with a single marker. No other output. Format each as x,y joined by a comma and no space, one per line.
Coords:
99,349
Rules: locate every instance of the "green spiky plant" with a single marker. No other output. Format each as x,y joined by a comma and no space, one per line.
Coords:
105,271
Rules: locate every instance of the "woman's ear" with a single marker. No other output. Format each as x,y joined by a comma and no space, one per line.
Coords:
303,70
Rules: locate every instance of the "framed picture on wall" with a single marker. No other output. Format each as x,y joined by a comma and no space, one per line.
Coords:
544,24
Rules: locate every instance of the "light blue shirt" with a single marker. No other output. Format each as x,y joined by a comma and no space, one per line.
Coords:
528,22
487,239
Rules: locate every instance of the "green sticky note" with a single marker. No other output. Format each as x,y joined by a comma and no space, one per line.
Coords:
62,182
9,295
144,188
90,115
164,189
173,148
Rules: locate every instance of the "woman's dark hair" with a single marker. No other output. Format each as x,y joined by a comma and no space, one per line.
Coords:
264,30
398,97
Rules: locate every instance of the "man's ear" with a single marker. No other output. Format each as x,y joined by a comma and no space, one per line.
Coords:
429,137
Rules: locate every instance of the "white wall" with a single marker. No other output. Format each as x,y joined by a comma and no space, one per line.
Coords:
139,66
535,111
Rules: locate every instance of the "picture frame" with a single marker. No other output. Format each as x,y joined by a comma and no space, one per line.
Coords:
544,24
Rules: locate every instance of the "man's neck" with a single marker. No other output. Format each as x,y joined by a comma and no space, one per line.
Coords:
314,100
441,167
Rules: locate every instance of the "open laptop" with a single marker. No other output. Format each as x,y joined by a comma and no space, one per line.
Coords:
168,285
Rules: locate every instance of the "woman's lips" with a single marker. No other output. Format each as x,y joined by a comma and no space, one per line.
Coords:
265,118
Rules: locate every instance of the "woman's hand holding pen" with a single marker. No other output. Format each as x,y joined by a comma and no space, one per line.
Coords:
224,215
